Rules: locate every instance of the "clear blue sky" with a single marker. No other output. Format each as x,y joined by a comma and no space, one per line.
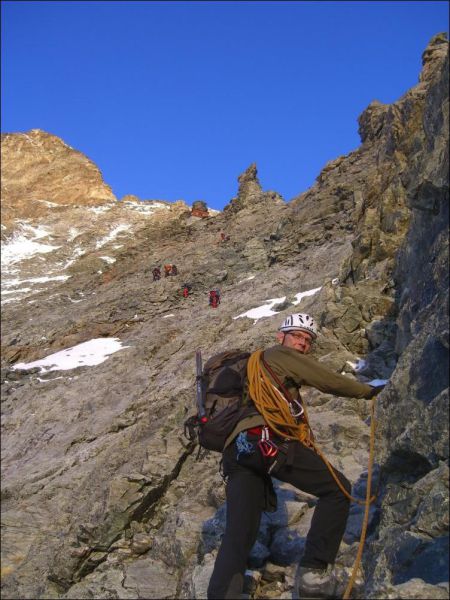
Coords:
173,100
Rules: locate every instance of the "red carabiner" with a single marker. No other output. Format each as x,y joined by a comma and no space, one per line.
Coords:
267,448
273,450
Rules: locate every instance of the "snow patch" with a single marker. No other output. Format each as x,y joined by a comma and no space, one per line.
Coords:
112,234
90,353
15,283
43,279
108,259
48,203
23,245
4,292
300,295
146,207
265,310
75,254
73,233
100,209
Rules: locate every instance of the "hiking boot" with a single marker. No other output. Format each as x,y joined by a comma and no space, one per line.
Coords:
316,583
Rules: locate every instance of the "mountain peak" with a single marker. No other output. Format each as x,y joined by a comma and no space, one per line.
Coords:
39,168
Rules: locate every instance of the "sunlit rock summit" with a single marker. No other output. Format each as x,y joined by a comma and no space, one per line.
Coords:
40,171
102,496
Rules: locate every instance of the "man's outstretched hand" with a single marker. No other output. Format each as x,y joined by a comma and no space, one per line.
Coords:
378,386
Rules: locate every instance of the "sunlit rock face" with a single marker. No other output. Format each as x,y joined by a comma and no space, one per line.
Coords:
40,171
102,496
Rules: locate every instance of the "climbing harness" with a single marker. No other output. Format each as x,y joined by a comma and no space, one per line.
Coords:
280,418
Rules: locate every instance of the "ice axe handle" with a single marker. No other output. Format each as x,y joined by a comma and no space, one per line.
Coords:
199,385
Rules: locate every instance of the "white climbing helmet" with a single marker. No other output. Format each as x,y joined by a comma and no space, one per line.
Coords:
299,322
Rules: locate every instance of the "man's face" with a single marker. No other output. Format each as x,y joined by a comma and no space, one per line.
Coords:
297,340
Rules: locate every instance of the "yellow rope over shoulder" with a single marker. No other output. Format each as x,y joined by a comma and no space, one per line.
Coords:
272,405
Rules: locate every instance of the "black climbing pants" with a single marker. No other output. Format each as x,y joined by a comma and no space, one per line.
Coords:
245,494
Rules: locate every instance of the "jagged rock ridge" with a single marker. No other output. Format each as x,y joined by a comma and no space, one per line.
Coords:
102,495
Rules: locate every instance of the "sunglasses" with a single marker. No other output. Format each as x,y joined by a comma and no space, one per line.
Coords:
301,336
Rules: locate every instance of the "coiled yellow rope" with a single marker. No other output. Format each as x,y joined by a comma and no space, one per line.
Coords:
269,402
275,409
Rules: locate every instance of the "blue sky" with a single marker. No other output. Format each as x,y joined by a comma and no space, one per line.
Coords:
173,100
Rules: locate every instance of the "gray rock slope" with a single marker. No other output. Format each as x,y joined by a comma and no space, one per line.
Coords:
102,496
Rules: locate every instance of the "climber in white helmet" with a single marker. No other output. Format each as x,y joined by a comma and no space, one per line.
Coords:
254,453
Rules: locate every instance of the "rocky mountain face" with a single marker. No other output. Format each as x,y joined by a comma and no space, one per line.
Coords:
102,495
40,171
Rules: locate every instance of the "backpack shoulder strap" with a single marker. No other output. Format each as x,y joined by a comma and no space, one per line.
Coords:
276,379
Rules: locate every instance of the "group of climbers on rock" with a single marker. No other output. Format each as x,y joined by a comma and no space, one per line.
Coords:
171,269
213,295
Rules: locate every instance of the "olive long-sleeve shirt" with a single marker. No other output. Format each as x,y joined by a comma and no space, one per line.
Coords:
295,370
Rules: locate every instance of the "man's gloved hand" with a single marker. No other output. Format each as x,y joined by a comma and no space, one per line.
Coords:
376,389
